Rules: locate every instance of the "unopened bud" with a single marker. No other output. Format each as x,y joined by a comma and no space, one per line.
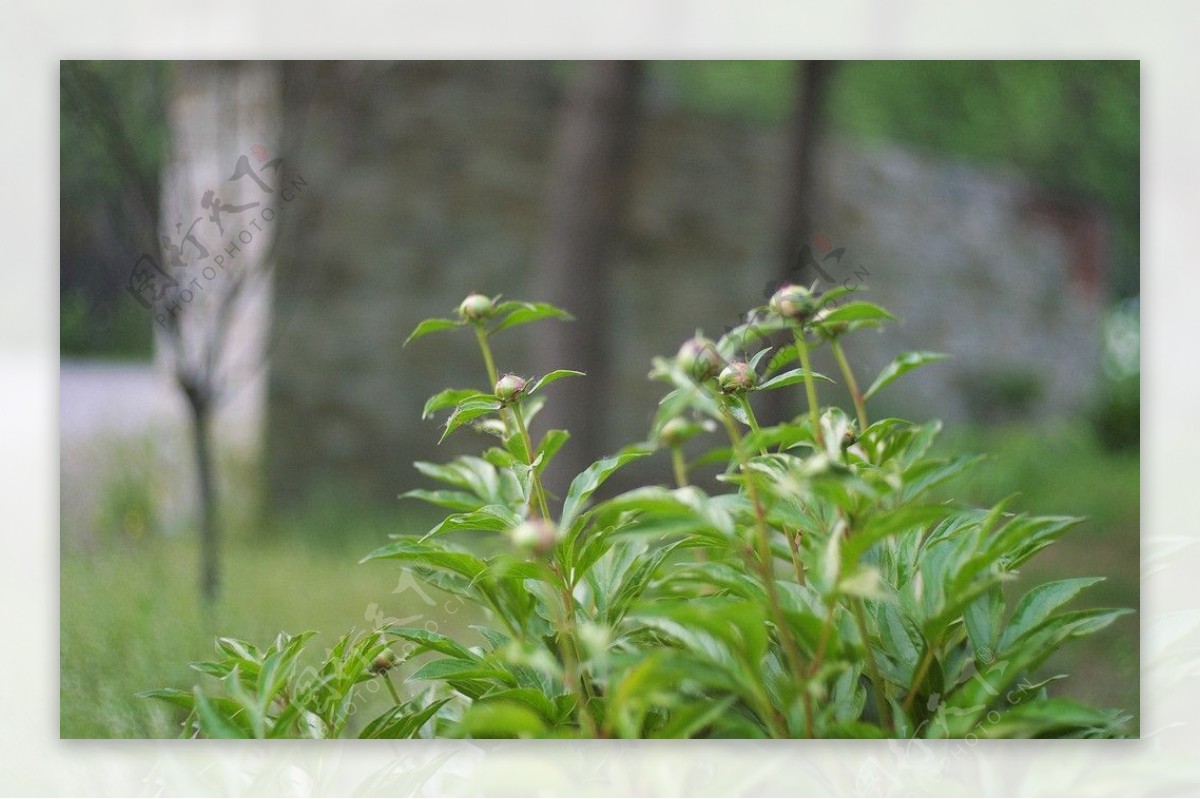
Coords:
792,302
534,535
674,432
828,329
736,378
509,387
383,662
699,357
476,307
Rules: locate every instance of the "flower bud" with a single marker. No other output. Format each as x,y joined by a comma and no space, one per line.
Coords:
534,535
736,378
476,307
699,357
509,387
792,302
383,662
674,432
827,329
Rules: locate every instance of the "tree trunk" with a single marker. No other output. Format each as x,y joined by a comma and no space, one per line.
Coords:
587,201
796,223
796,210
201,414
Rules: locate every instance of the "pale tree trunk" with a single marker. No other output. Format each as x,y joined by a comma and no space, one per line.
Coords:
590,185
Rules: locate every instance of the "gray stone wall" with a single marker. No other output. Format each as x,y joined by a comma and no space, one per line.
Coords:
430,180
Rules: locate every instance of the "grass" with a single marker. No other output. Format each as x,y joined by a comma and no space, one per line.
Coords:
131,619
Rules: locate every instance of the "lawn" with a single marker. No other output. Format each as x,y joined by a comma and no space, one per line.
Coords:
131,619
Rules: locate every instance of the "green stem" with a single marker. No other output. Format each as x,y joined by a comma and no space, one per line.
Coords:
797,563
766,563
926,662
679,467
575,678
810,388
826,629
752,420
391,687
534,478
860,407
881,700
488,361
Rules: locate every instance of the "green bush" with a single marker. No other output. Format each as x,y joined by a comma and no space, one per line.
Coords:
816,591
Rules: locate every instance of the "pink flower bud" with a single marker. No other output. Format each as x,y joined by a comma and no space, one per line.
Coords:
736,378
509,387
534,535
699,357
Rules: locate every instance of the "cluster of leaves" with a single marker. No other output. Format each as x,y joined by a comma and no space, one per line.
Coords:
813,590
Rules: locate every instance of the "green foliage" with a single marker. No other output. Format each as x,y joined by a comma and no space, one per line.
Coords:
820,590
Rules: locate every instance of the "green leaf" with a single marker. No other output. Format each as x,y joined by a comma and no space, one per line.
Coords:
531,698
1038,605
1048,719
431,326
522,313
401,722
216,722
454,500
183,699
448,399
591,478
557,374
433,641
788,378
470,410
490,518
552,442
902,365
431,557
855,312
502,719
461,669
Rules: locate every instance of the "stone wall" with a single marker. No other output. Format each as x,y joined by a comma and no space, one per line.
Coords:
429,181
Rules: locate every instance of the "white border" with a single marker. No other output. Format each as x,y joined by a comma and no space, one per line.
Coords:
35,36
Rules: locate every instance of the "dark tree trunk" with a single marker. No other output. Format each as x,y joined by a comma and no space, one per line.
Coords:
201,413
587,201
797,206
796,223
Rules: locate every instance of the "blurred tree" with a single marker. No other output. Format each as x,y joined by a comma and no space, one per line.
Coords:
123,151
112,137
590,186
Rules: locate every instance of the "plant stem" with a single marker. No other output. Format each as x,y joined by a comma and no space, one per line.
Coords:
534,478
810,388
752,420
391,688
922,669
860,407
826,629
766,563
488,361
881,700
575,679
679,467
797,564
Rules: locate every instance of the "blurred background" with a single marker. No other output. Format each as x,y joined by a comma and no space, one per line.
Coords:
246,245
